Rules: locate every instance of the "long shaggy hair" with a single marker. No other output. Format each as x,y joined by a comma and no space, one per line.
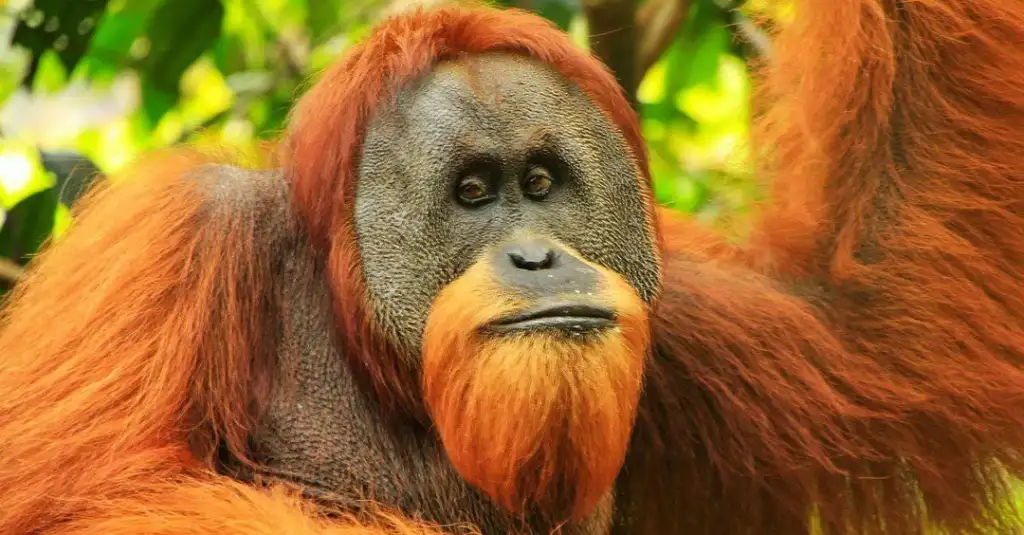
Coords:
858,362
533,419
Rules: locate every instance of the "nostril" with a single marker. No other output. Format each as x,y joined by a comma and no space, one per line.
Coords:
531,257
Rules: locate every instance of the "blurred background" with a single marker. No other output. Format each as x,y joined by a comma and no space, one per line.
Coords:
88,85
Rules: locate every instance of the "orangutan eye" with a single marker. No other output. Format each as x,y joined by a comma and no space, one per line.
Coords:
474,191
537,183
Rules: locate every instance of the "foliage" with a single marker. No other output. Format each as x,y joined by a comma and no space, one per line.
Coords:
104,80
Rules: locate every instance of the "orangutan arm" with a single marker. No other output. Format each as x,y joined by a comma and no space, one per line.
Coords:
135,350
860,360
746,394
203,507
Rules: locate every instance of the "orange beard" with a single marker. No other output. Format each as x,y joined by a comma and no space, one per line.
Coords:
538,420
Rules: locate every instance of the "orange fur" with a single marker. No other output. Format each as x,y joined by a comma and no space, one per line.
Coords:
204,507
861,359
533,420
133,349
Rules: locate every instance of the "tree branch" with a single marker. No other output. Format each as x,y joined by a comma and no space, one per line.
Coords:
659,21
287,48
210,122
613,35
757,42
10,271
630,49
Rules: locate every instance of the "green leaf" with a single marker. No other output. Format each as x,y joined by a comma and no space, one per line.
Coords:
560,12
111,49
50,75
157,101
702,40
28,226
229,54
704,62
61,220
179,32
13,64
324,19
63,26
276,118
682,193
21,174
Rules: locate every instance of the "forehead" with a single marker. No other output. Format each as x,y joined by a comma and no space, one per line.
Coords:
497,99
494,82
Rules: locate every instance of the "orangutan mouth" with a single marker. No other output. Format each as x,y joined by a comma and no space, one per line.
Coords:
559,316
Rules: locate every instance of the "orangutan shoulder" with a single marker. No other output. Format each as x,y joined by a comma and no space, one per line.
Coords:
246,210
232,193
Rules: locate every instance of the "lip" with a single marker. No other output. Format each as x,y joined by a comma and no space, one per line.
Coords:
566,317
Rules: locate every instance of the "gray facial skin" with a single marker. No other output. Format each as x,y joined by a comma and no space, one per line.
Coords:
494,115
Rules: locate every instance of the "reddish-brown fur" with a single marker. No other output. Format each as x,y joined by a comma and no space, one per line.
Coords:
128,354
567,407
859,359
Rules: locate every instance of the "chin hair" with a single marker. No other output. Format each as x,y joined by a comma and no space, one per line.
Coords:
537,418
